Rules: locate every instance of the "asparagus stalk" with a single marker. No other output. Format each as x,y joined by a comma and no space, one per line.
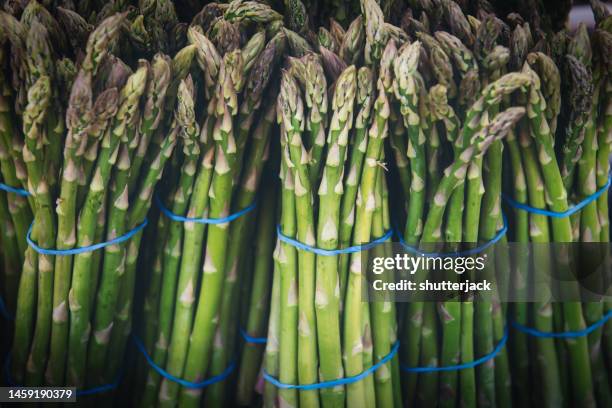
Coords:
406,87
352,341
33,124
43,230
251,355
193,238
365,101
241,231
382,313
18,208
287,260
291,117
104,108
271,356
450,312
577,349
309,72
40,145
80,291
189,133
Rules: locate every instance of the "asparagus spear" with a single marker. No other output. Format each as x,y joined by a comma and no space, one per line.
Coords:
406,90
33,127
365,101
291,117
271,356
553,182
241,231
251,356
287,261
581,101
43,229
309,72
18,206
152,112
78,114
190,261
81,286
382,312
352,341
189,132
41,177
136,216
375,33
450,312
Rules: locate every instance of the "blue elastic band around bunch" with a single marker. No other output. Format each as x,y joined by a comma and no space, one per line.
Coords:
572,210
89,248
332,252
14,190
79,393
249,339
462,366
500,234
567,334
338,382
223,220
187,384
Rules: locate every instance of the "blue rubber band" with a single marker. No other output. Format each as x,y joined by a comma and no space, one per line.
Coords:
572,210
223,220
100,389
338,382
79,393
89,248
564,335
254,340
500,234
187,384
4,311
14,190
462,366
332,252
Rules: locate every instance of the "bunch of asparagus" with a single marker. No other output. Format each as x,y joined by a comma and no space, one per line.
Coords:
67,32
193,298
88,122
451,113
560,156
333,117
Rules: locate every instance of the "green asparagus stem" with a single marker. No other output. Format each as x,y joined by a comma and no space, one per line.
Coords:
287,260
259,306
81,286
40,145
352,342
291,117
189,133
241,231
577,349
271,356
79,116
365,101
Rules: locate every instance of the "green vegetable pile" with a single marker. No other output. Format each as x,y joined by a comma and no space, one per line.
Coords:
231,159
